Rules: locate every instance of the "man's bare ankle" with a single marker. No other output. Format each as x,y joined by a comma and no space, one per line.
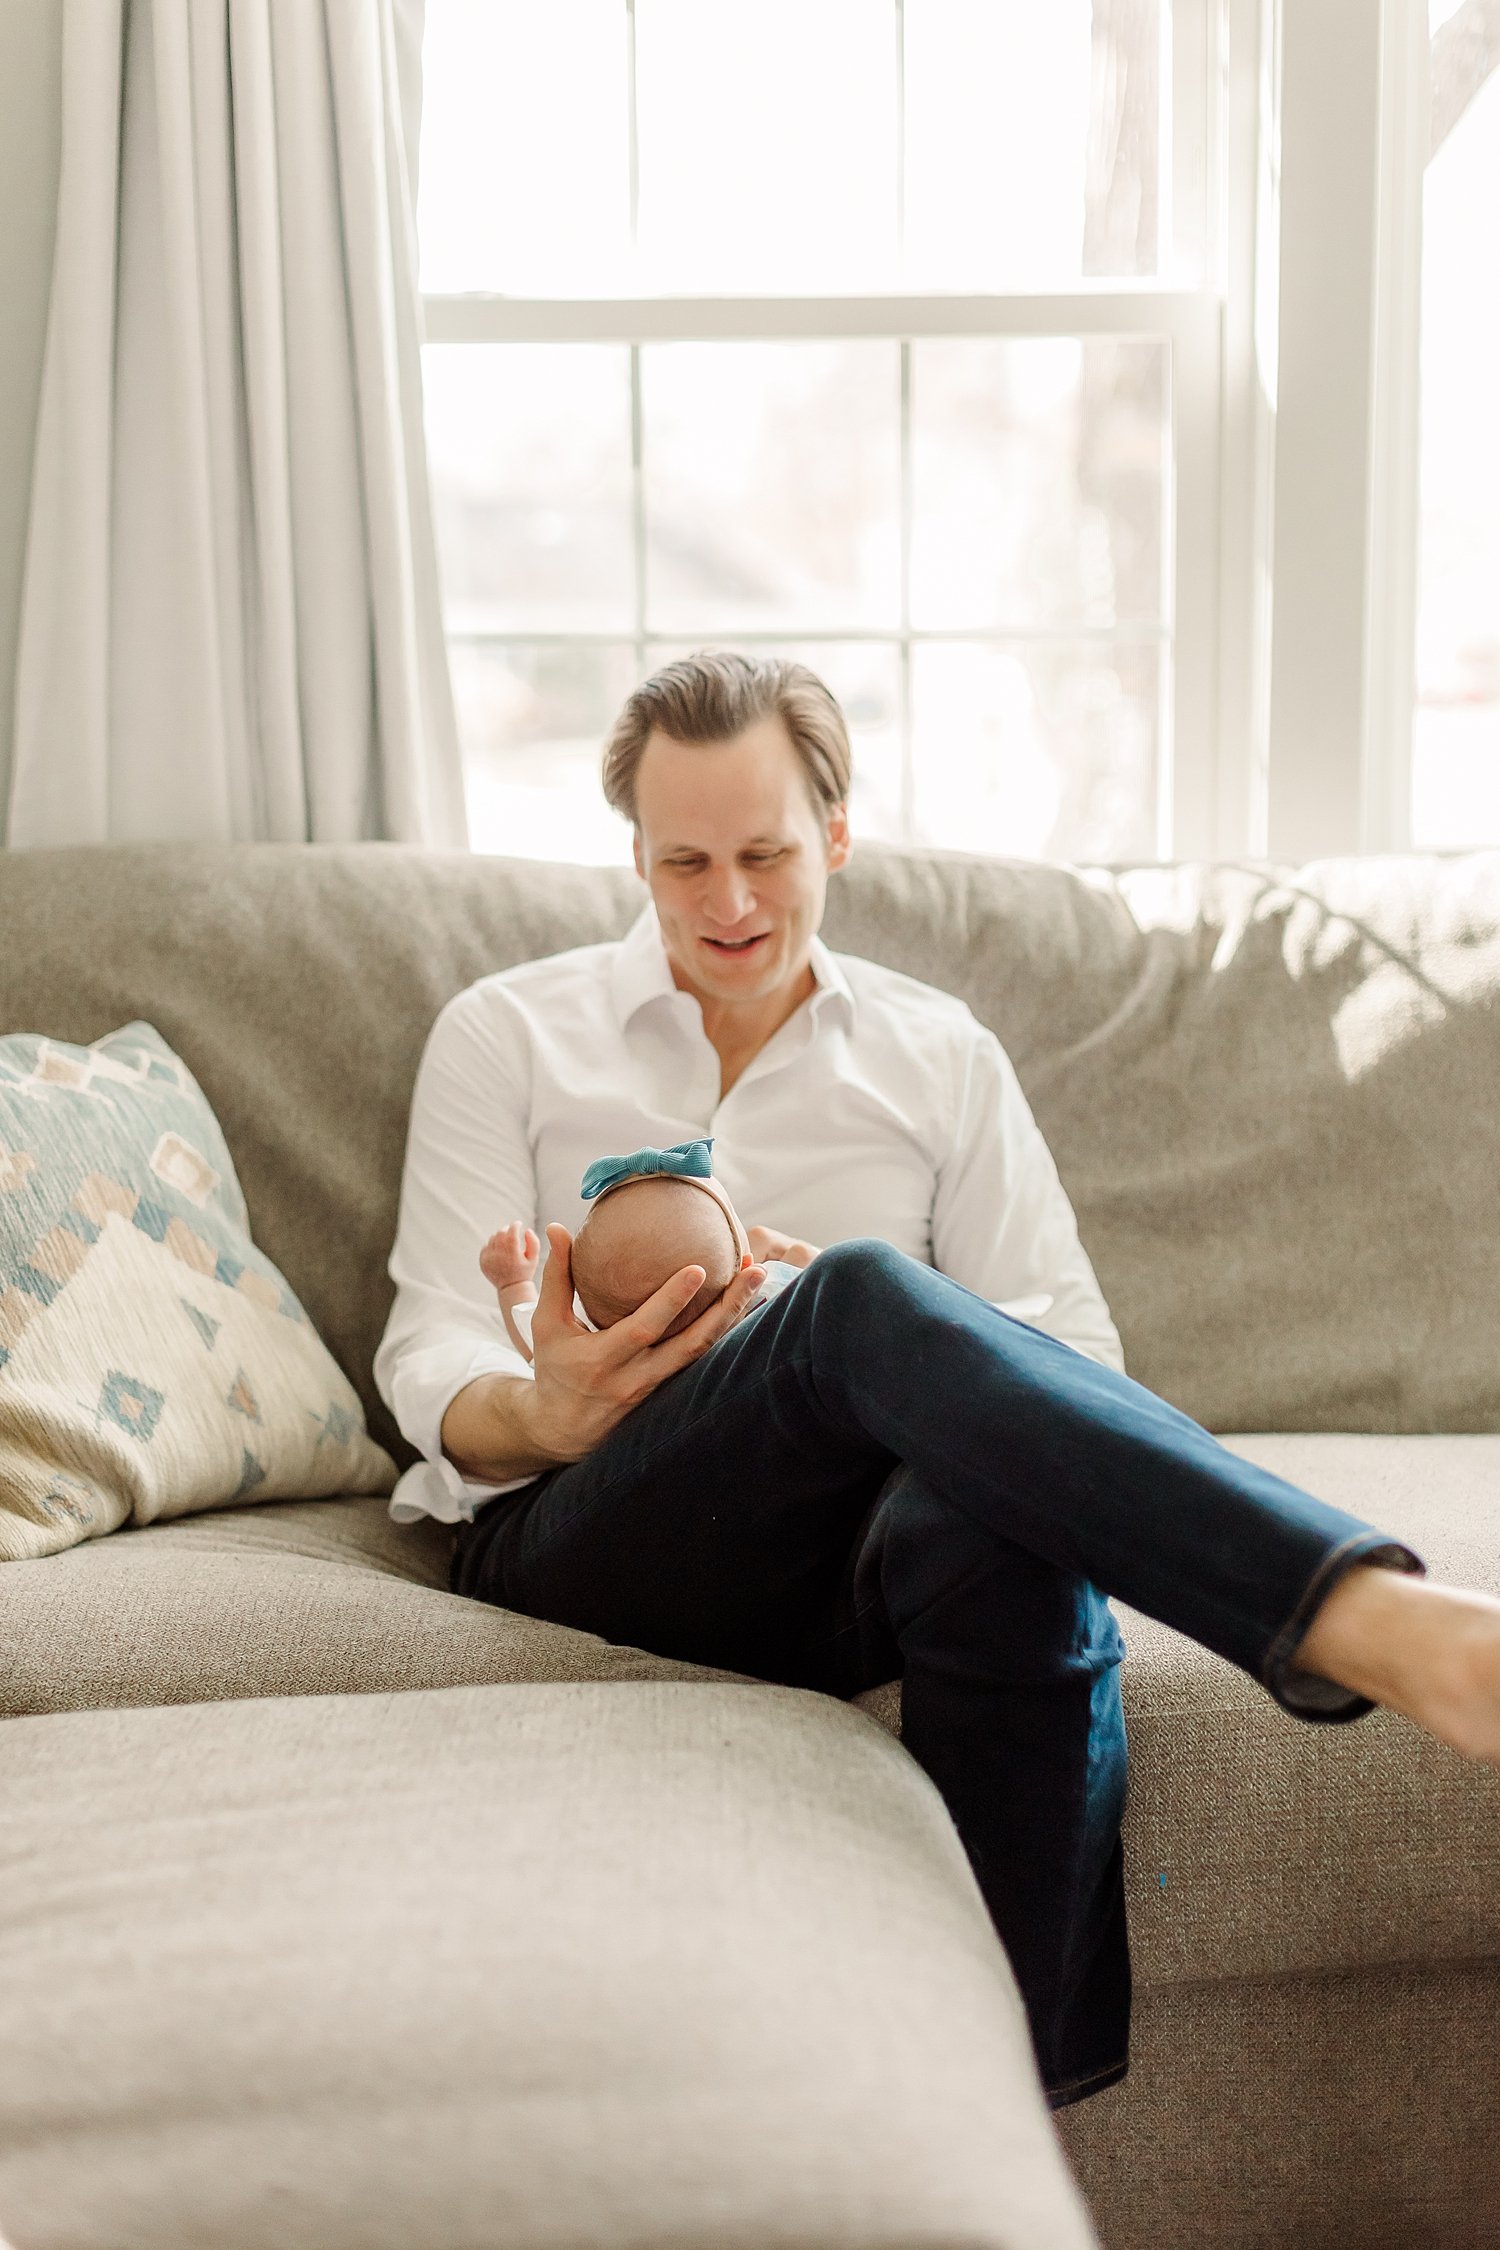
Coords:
1349,1639
1425,1649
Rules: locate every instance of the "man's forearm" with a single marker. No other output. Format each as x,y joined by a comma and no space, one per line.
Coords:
488,1431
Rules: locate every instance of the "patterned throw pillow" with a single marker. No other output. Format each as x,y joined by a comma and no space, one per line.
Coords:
152,1361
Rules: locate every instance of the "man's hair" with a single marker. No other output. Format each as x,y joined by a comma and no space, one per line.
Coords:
712,696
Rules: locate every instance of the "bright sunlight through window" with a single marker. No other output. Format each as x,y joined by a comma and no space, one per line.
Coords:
736,339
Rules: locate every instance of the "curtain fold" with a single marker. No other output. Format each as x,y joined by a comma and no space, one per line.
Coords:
230,620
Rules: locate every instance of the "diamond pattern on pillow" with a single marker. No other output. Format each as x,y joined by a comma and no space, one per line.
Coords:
152,1360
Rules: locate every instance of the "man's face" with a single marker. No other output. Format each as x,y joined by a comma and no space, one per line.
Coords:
737,859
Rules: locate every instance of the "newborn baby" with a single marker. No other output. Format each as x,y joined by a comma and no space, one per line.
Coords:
653,1213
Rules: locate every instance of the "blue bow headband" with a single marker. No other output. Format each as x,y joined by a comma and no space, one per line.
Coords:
688,1160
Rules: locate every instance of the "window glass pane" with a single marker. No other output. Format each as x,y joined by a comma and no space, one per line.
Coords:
525,172
529,446
532,721
1032,138
767,144
1037,750
1038,471
768,139
1456,735
772,486
866,678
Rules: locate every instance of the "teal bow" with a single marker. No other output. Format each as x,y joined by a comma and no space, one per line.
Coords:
688,1160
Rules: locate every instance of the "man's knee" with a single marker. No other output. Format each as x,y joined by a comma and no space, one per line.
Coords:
858,1300
863,1265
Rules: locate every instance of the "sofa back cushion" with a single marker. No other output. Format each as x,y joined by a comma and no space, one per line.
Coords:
1271,1094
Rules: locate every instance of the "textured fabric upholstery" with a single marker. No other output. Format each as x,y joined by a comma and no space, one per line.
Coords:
1357,2112
1286,1847
440,1972
1232,1067
297,1598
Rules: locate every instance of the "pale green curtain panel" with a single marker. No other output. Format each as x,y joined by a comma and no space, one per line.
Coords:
230,625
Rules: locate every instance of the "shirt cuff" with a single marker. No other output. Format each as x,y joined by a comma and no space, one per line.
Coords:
423,1388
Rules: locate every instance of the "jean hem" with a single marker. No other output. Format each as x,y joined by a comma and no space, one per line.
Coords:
1070,2090
1278,1670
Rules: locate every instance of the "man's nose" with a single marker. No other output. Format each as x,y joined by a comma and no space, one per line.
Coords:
729,896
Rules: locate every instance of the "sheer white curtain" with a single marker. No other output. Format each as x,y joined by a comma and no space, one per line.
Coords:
230,623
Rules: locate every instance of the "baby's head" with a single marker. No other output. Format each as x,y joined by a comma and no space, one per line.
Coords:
640,1234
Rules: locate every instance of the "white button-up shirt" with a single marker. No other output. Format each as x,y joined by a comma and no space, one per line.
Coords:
880,1107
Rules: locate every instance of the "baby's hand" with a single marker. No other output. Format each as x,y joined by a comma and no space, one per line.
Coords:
508,1259
768,1242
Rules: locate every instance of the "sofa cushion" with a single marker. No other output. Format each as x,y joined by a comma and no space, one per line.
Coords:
152,1359
1355,2111
1258,1845
1232,1065
635,1968
304,1598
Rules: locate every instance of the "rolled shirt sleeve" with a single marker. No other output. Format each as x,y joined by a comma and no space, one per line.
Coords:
468,1171
1001,1220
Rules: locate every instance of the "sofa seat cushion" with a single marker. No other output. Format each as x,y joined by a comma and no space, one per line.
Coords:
659,1966
301,1598
1260,1846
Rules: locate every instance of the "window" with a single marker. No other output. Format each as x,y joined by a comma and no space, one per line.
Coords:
887,333
1455,797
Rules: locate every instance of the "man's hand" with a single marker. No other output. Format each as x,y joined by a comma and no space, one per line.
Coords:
585,1382
766,1243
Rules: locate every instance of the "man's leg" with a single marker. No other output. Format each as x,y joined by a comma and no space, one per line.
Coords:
1011,1702
717,1523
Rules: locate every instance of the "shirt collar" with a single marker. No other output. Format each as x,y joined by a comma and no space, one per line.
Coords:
640,973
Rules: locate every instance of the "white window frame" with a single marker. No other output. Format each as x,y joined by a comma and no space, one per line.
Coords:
1214,765
1352,143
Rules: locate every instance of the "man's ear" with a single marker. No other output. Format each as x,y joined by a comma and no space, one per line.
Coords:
635,846
840,842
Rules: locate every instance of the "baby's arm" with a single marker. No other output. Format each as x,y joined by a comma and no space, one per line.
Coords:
508,1262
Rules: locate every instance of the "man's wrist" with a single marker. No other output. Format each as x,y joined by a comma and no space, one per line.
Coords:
528,1425
491,1432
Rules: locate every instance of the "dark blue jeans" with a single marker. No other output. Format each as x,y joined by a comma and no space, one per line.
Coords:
876,1473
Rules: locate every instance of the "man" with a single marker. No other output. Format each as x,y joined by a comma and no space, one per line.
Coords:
877,1471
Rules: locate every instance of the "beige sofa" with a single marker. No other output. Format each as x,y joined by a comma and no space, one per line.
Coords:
339,1914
